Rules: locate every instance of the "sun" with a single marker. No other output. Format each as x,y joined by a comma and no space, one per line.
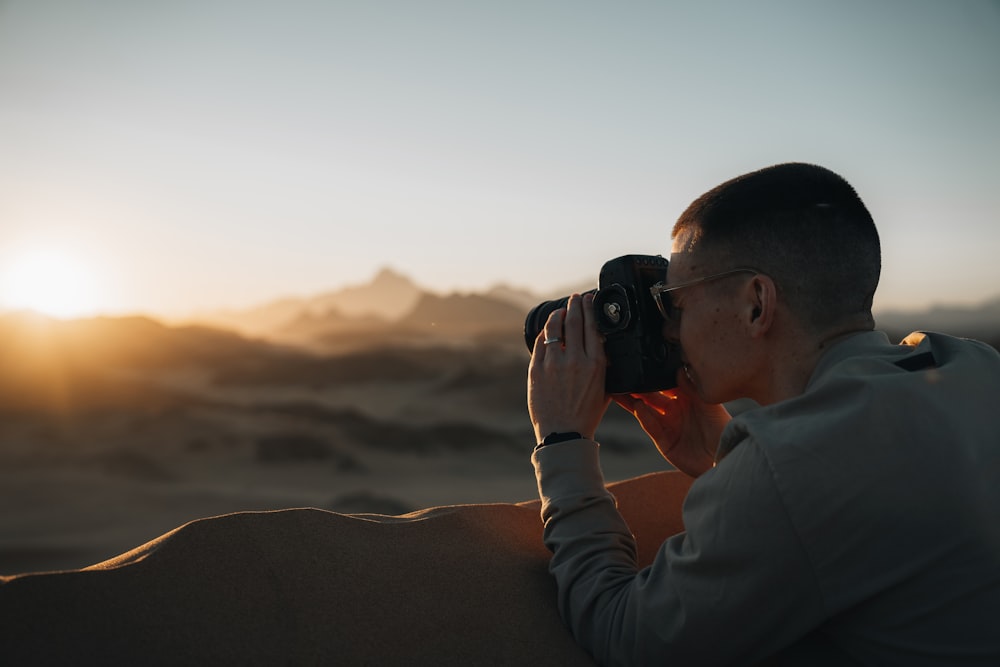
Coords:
49,281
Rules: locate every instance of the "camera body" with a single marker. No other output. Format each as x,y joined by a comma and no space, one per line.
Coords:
639,358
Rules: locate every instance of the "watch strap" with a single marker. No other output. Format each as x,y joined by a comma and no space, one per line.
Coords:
555,436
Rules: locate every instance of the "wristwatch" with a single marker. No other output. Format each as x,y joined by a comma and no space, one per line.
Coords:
554,437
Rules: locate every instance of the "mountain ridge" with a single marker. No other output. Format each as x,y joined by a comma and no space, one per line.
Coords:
390,298
392,308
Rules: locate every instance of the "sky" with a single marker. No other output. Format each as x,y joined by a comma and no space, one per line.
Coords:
175,157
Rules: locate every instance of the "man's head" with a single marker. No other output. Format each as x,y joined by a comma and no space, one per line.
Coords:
767,268
802,225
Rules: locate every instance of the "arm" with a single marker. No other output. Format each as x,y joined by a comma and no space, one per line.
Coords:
664,490
734,588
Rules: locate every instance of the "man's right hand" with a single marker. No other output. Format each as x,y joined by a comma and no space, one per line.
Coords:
685,429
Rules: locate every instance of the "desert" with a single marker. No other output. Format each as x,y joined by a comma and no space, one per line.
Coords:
327,488
322,479
379,397
115,431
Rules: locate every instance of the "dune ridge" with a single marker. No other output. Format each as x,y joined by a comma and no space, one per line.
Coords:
454,585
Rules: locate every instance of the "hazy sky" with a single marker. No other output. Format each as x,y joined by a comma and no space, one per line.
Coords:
181,155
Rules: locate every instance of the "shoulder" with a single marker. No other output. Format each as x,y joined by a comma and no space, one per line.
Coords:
867,385
966,354
871,425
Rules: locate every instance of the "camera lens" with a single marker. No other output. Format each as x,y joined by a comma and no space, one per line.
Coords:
537,316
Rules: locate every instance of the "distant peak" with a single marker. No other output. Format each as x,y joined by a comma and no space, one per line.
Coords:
390,276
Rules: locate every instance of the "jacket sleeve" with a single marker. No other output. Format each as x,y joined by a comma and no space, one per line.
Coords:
733,588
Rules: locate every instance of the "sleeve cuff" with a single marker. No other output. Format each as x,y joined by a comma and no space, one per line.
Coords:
568,471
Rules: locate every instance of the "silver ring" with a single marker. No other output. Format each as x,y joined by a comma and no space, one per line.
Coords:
549,341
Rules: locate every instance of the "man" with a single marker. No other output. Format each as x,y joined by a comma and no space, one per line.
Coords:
852,518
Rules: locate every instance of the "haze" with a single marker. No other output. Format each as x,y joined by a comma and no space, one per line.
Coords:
191,156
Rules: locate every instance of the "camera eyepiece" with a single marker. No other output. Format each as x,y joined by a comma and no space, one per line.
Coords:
611,305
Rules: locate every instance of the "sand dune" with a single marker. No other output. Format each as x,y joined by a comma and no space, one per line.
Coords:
453,585
115,431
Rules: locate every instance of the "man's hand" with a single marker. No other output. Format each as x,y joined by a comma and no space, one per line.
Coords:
566,377
684,428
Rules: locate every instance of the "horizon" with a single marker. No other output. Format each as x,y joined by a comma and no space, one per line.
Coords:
171,319
176,159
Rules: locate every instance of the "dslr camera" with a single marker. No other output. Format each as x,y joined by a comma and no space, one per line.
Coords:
639,358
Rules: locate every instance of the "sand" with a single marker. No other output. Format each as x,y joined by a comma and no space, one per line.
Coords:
279,500
451,585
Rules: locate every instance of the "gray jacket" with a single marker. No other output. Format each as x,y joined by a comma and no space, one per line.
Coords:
858,523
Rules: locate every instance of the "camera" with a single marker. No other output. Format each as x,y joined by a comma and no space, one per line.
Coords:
639,358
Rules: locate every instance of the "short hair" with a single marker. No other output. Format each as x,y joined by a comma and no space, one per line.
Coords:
802,225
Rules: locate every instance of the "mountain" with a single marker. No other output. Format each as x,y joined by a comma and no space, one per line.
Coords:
254,321
388,296
389,310
463,316
473,312
392,309
455,319
520,297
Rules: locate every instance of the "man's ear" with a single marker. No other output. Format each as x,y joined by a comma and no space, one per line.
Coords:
763,300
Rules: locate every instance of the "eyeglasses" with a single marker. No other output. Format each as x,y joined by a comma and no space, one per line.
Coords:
665,305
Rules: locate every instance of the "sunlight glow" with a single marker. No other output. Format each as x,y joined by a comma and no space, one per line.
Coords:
50,282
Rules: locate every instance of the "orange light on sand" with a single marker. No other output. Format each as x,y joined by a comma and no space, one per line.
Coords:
50,282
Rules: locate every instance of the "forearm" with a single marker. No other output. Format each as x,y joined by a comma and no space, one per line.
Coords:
717,579
575,501
594,553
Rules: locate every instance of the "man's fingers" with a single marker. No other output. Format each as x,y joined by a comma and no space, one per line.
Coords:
592,339
659,401
573,324
555,327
